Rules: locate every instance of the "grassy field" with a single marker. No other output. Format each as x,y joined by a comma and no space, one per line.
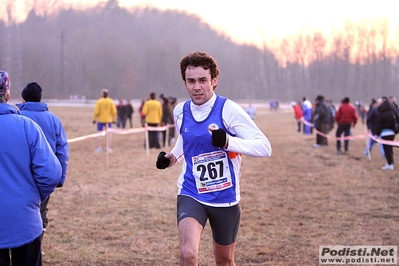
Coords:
293,202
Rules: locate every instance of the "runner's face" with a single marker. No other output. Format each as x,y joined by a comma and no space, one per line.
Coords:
199,84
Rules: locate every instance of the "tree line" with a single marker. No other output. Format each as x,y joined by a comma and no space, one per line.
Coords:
134,52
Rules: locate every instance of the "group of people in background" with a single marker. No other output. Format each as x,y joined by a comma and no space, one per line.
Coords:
273,104
156,113
153,113
124,113
381,119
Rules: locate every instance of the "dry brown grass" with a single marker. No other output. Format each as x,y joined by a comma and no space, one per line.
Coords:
292,203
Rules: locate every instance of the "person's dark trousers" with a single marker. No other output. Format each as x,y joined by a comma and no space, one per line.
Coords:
129,118
43,211
119,122
153,137
319,138
26,255
388,149
164,138
343,128
299,126
324,130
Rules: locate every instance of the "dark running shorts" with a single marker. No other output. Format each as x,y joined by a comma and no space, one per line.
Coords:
224,221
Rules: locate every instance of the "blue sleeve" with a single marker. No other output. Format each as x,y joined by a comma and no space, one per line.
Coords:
62,150
45,167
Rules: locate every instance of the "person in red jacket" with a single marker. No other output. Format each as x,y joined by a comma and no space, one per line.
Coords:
346,117
297,114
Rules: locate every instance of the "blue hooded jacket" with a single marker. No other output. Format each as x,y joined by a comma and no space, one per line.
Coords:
53,130
29,173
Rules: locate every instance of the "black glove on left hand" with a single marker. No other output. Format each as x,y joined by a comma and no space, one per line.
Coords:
219,138
162,161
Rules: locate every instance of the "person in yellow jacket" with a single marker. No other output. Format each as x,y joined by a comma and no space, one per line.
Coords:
105,115
152,110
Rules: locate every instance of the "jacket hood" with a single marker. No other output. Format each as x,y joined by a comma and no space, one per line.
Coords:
33,106
385,106
6,108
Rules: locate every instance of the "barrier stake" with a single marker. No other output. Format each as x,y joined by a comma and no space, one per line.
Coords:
106,146
147,145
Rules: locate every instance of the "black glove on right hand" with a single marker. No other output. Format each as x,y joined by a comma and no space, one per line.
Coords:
162,162
94,121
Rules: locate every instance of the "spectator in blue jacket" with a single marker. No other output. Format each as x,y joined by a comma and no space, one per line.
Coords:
52,128
30,171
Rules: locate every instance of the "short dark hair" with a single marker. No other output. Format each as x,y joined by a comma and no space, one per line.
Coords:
104,93
346,100
201,59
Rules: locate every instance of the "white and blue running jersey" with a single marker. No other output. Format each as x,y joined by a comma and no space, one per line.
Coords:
209,175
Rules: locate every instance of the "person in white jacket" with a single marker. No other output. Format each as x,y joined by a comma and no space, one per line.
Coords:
214,133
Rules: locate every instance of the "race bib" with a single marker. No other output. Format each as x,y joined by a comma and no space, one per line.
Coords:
211,171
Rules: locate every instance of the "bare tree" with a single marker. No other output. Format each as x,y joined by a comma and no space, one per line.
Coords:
43,8
319,46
